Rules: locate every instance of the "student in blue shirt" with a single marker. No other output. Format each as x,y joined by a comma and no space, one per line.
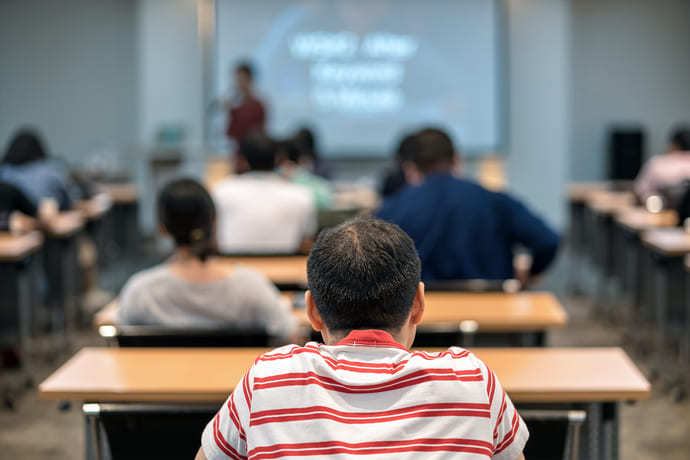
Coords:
462,230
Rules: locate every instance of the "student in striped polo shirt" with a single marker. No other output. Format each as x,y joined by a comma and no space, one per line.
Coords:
363,394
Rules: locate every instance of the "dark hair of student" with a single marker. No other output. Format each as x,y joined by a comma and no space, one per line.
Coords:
363,274
306,143
434,151
406,148
187,212
680,137
246,68
259,151
25,147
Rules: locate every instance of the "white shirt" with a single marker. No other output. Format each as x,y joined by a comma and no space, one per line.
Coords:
263,213
366,397
245,298
662,171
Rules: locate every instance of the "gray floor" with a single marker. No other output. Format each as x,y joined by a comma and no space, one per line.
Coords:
653,429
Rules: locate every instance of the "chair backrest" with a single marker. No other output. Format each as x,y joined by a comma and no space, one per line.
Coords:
554,434
144,431
156,336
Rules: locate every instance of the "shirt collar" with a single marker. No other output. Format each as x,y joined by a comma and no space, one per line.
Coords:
370,338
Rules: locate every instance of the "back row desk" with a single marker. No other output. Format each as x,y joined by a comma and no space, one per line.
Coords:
594,378
526,314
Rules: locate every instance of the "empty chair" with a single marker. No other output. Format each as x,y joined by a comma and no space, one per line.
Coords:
554,434
129,431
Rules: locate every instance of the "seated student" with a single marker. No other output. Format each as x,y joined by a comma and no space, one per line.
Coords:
260,211
193,289
395,180
16,210
669,169
364,392
26,165
309,157
291,166
460,229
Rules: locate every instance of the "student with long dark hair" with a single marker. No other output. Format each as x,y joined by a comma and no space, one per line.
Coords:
193,289
27,165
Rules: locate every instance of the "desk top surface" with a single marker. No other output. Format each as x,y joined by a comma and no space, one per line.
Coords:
279,269
638,218
493,312
609,202
669,242
96,206
124,193
579,192
209,375
16,247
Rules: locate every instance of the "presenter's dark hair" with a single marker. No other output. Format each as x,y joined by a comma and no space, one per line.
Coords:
363,274
187,212
246,68
433,151
25,147
680,138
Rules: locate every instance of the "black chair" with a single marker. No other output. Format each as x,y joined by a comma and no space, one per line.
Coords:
132,431
554,434
476,285
156,336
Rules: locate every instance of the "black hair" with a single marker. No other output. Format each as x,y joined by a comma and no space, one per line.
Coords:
680,137
187,212
406,148
259,150
433,151
290,149
306,143
246,68
363,273
25,147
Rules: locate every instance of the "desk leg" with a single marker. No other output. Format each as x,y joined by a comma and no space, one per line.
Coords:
631,271
610,430
660,295
594,431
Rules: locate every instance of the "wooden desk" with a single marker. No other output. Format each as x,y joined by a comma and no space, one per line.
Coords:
638,219
123,193
284,271
95,207
493,311
669,242
15,247
210,375
597,378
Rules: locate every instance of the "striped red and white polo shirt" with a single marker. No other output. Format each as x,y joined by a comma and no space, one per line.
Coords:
366,396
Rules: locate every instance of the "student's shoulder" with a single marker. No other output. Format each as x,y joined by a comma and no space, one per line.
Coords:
287,355
146,278
454,357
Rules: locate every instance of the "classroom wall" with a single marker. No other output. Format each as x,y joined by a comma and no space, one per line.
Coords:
538,54
68,67
630,64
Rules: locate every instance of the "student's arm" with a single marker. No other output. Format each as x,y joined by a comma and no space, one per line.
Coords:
201,456
530,231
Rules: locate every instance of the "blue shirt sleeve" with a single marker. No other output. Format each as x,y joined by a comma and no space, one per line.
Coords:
529,230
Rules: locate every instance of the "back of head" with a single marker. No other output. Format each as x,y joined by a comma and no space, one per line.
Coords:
433,151
363,274
187,212
306,143
259,151
680,138
406,148
25,147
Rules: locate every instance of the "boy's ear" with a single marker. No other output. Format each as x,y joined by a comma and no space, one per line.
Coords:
312,312
418,305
